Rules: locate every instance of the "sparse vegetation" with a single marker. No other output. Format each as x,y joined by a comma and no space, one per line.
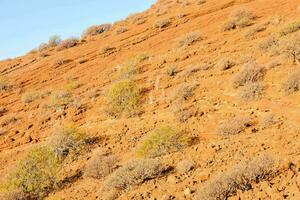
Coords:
67,139
162,140
253,31
121,30
171,71
3,110
270,45
225,64
96,30
99,166
251,91
54,41
36,174
60,99
68,43
239,177
4,84
124,97
30,96
240,18
133,173
292,83
184,92
290,28
291,48
162,23
189,39
251,72
234,126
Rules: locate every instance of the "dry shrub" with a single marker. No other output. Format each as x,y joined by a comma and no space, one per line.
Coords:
4,84
183,92
163,140
162,23
185,166
124,97
171,71
30,96
251,91
268,120
240,177
292,83
71,85
290,28
68,139
60,99
250,72
189,39
255,30
133,173
36,174
238,19
130,68
291,48
3,110
12,195
96,30
234,126
68,43
121,30
54,41
225,64
270,45
99,166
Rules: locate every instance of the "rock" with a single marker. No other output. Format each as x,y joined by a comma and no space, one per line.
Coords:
187,192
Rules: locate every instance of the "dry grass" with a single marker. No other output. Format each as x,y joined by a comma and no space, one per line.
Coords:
163,140
99,166
124,98
251,91
290,28
68,43
292,83
184,166
121,30
133,173
250,72
234,126
96,30
189,39
240,177
239,18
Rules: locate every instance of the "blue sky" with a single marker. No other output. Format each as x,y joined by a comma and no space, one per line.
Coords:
27,23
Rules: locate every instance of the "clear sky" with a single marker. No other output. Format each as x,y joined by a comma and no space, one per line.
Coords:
24,24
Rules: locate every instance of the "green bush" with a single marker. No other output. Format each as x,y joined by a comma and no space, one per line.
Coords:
162,140
124,97
36,174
